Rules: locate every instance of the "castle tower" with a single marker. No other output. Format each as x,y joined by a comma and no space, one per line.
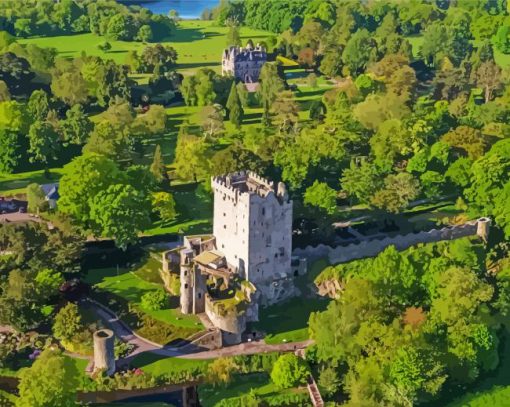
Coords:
104,355
193,286
253,226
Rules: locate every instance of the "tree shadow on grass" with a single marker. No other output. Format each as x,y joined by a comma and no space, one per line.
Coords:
190,65
191,35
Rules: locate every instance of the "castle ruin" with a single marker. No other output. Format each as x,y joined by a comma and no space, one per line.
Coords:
246,263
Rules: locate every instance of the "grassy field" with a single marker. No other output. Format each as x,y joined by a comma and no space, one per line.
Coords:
198,43
259,383
288,322
131,284
159,366
13,184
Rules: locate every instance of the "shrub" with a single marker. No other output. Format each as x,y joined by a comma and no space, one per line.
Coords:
289,371
154,300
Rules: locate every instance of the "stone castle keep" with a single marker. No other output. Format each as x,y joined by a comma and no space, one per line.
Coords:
247,261
243,64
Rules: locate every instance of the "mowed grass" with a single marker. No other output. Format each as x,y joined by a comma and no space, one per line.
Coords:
199,44
160,366
288,322
13,184
259,383
131,284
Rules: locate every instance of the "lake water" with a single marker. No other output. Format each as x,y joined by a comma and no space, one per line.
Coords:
185,8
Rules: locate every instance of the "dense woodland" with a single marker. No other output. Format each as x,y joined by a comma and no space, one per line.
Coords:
418,110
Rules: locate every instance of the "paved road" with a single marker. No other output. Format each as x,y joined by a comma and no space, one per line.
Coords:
18,217
186,352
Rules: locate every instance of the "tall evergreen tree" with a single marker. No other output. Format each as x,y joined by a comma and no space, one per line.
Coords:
158,166
234,107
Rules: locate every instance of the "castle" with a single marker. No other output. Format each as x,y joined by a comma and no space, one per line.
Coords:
246,263
244,64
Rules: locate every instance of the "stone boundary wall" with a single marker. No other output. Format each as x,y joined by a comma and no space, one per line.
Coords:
370,248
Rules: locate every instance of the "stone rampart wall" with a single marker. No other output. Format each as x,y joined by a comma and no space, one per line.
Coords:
371,248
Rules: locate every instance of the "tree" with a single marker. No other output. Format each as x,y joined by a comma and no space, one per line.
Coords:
164,204
44,142
212,121
6,39
434,43
488,178
391,141
154,300
285,111
322,196
38,105
328,380
220,371
361,181
83,178
111,140
398,191
145,33
118,27
36,198
270,86
13,116
104,46
460,296
501,39
191,161
289,371
119,212
15,72
67,322
488,77
158,168
47,282
234,107
163,56
468,139
358,51
76,126
5,95
70,87
233,37
51,381
9,150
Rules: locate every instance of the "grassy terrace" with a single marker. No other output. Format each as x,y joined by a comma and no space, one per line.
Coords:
161,366
259,383
124,288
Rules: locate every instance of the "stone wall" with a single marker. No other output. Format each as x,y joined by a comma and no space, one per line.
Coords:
371,248
232,324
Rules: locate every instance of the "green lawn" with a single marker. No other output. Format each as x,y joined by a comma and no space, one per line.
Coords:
260,383
159,366
288,322
198,43
12,184
132,284
194,213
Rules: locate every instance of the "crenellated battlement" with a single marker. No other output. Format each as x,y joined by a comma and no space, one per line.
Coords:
243,183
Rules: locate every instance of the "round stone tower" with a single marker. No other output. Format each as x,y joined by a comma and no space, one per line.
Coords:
483,226
104,354
187,281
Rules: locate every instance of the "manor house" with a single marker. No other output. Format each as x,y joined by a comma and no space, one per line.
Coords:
246,263
244,64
